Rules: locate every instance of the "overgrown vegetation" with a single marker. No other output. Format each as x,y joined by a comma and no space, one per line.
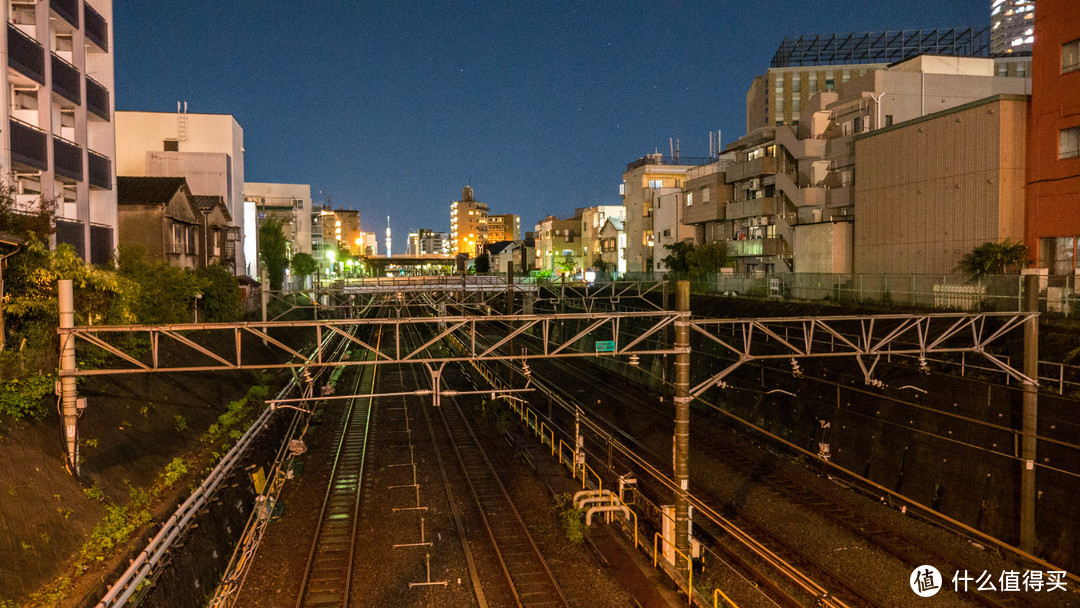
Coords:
571,519
696,260
273,251
131,290
993,258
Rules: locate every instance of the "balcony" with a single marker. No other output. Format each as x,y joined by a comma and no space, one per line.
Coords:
97,29
99,169
68,10
766,165
704,212
67,158
97,99
29,146
756,247
25,55
750,208
65,80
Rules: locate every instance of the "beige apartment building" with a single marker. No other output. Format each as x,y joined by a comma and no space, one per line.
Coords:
503,227
592,221
793,186
58,109
559,245
644,182
932,189
468,224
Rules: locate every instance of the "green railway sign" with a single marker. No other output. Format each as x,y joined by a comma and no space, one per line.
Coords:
605,346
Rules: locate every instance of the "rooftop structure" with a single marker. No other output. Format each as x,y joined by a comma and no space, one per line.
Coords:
881,47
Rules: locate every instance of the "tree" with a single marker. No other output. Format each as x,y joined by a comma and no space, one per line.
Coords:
303,265
482,264
25,223
707,258
272,251
600,265
993,258
676,260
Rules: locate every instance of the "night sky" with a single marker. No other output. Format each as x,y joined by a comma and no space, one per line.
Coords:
391,110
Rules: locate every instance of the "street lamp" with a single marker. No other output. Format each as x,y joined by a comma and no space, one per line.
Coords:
331,256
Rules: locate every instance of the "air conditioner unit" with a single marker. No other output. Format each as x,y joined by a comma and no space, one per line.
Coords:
755,183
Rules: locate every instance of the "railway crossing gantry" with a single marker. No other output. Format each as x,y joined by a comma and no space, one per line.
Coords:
629,334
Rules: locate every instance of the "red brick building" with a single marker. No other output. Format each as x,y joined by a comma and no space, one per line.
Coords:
1053,168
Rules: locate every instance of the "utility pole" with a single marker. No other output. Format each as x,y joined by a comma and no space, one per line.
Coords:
1031,414
682,428
69,392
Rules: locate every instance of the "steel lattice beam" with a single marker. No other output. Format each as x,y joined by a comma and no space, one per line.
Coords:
860,337
552,335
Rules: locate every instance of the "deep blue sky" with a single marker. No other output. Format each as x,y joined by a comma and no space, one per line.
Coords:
392,107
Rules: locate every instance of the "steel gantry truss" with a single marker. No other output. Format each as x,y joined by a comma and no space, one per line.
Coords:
864,338
629,333
478,292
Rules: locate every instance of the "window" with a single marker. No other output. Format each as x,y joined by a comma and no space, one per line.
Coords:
171,145
705,194
888,120
667,232
1069,143
655,184
858,124
299,202
1070,56
178,238
689,199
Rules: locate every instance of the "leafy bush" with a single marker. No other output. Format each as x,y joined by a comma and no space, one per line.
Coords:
572,520
25,397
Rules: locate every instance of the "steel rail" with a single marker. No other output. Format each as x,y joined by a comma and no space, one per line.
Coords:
329,545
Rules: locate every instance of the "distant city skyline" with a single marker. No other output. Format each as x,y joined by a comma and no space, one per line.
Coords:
538,108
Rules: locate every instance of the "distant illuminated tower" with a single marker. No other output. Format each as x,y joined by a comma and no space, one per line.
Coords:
1012,27
388,236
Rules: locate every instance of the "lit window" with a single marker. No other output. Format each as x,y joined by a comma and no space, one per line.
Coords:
689,199
656,184
1069,143
1070,56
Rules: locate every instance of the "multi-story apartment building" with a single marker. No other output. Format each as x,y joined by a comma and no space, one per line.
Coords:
468,224
1053,179
1012,27
205,149
559,245
504,227
347,231
806,65
792,185
60,142
366,243
288,203
592,221
644,182
613,245
426,241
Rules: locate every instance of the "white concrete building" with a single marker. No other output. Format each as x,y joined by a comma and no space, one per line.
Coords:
290,203
207,149
58,99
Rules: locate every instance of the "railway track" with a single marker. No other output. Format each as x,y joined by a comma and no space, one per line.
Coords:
328,573
522,564
879,534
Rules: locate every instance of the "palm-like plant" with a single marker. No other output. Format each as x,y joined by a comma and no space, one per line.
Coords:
993,258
